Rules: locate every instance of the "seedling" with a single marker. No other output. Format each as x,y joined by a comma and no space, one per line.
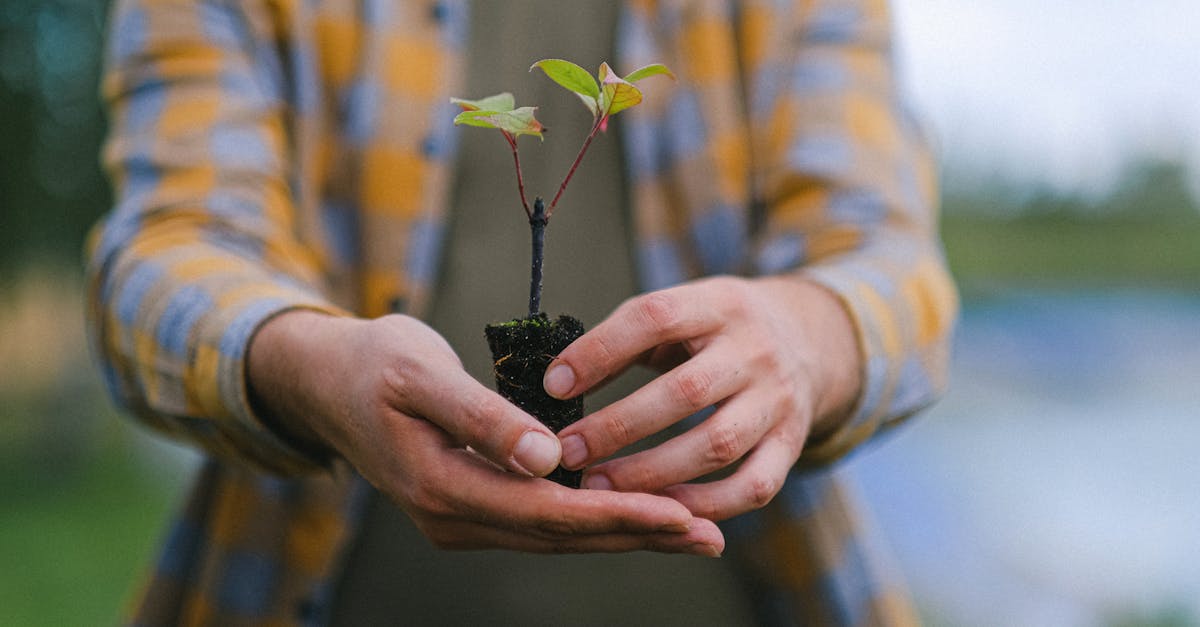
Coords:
604,96
522,348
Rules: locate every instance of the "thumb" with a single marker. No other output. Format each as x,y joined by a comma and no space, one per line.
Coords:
495,428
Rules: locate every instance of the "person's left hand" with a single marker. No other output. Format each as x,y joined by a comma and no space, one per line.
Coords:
777,356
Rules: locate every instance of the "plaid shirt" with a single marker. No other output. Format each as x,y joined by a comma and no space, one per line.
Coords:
276,154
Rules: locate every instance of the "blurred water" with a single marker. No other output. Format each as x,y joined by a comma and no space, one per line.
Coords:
1057,483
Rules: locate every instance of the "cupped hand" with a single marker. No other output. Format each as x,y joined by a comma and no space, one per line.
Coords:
391,397
777,356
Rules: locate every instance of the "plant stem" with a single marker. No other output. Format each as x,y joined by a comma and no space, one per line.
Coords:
540,216
512,143
537,227
582,150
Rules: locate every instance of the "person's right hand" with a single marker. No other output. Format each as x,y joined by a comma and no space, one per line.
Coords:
392,398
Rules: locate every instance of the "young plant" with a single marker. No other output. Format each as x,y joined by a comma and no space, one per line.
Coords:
604,96
524,347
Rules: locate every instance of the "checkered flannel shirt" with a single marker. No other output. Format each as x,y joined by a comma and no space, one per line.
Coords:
278,154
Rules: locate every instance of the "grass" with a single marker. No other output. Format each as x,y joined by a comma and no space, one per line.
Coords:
78,536
1052,251
82,506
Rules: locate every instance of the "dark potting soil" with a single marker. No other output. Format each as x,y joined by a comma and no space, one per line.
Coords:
521,350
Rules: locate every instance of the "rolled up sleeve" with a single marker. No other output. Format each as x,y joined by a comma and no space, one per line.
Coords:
851,197
201,247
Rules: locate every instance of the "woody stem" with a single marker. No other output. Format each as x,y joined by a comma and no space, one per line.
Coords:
537,227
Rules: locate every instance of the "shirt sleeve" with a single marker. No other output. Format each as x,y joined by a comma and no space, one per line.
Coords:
201,247
851,199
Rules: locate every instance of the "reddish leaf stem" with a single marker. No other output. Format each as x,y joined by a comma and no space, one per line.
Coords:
512,143
582,150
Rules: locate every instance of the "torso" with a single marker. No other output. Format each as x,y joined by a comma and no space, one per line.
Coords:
392,572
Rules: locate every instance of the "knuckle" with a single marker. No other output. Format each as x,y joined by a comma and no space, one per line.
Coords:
761,489
481,417
765,355
600,353
558,525
793,435
644,478
426,497
694,388
428,501
397,381
618,431
659,310
724,445
788,402
789,405
793,441
705,505
633,475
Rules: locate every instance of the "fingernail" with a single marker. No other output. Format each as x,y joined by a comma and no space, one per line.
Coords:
704,550
574,451
597,482
675,528
559,381
536,453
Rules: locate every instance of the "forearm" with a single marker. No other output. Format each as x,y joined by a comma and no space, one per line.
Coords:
289,377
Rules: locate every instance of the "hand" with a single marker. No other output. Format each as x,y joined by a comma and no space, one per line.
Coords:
391,397
777,356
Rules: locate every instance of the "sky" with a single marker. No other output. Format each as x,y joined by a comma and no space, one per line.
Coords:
1060,92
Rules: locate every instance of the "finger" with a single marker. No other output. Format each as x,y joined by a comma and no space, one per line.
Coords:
482,419
704,539
721,440
638,325
475,491
754,484
705,380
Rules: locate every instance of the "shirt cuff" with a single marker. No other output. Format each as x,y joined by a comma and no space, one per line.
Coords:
871,317
217,384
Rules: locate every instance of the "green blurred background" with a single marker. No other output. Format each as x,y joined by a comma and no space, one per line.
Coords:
84,495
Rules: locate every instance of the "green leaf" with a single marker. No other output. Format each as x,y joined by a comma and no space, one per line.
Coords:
516,122
616,94
570,76
574,78
591,104
653,69
499,102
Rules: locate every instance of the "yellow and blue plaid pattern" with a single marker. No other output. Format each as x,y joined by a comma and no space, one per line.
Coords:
274,154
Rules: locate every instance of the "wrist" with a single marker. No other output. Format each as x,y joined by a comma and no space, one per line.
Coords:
286,377
830,336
